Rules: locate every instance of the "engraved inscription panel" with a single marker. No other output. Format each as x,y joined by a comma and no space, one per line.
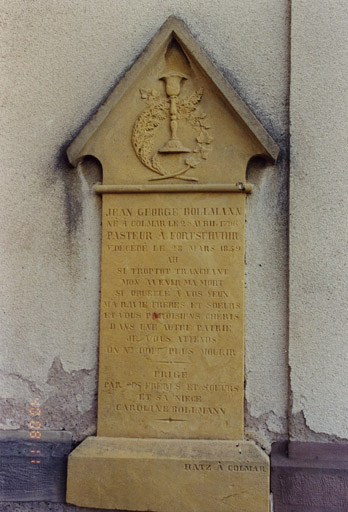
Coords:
171,327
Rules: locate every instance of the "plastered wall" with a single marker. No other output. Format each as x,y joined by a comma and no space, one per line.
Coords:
61,59
318,221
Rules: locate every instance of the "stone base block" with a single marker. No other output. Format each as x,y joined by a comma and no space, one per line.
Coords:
309,477
169,475
33,469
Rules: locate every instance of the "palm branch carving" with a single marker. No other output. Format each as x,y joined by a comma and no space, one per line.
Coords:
189,105
143,133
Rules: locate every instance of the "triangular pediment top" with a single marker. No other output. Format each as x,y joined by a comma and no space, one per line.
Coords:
173,28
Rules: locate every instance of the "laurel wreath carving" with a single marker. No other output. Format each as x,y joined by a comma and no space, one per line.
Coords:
149,120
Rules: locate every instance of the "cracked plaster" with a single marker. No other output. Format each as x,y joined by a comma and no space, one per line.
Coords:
318,282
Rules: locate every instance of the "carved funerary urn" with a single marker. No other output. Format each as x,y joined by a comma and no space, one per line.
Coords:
174,141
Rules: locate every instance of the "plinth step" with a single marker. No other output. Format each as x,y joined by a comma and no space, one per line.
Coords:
169,475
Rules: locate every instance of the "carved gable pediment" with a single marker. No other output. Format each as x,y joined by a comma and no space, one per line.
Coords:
173,118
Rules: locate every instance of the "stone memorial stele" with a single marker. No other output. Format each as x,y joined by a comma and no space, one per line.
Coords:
174,141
